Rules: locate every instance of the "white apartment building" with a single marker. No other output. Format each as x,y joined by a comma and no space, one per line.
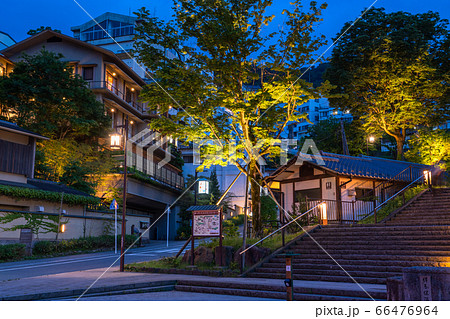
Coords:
317,110
118,38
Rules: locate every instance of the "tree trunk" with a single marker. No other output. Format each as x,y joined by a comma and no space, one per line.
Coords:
400,143
255,182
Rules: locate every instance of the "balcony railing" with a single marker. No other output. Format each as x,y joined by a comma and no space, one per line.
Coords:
100,34
151,170
106,85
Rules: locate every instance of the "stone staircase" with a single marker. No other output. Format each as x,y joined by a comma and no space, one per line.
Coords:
431,208
419,235
308,291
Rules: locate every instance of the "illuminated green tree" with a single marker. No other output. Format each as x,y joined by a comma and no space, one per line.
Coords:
388,69
431,148
229,79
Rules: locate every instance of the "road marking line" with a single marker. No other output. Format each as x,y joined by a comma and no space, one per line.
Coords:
56,263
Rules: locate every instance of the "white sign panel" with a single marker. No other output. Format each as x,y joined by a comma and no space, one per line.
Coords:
203,187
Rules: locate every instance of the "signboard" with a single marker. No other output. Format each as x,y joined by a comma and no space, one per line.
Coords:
203,187
114,205
206,224
425,288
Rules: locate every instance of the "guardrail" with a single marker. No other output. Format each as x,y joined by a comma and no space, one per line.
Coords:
313,210
400,192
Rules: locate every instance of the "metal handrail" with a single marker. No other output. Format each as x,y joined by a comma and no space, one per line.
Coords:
395,195
271,234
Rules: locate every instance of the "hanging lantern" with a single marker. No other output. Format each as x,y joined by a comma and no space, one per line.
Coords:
116,140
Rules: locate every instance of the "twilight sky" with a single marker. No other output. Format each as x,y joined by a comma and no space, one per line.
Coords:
23,15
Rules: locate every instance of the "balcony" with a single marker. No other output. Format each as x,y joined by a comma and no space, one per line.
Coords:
91,35
138,106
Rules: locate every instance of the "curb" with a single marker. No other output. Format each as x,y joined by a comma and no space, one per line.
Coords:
97,290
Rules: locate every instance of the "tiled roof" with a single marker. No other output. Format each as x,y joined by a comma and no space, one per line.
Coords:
204,207
14,127
371,167
360,166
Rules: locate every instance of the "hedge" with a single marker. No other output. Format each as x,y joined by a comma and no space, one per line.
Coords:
89,243
29,193
12,252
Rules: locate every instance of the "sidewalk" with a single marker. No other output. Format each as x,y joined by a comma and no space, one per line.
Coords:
75,283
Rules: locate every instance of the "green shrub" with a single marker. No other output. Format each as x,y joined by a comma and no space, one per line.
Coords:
229,229
29,193
237,220
82,244
12,252
44,247
392,205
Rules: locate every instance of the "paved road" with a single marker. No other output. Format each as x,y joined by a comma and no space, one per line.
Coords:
48,266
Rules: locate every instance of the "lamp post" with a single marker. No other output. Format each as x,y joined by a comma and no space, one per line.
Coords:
115,145
201,187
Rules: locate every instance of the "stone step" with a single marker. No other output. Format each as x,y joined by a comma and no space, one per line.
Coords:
383,229
267,294
442,211
388,254
367,280
363,257
367,262
381,242
433,214
336,272
421,220
356,292
368,233
414,222
373,238
300,266
307,246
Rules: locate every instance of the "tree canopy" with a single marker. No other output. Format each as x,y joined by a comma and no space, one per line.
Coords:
229,78
328,137
431,147
43,94
390,70
40,29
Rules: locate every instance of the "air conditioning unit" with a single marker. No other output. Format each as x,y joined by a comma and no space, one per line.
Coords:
39,208
352,192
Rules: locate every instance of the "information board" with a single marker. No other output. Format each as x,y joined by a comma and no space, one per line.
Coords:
206,224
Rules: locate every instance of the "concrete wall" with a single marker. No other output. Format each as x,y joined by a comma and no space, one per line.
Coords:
81,223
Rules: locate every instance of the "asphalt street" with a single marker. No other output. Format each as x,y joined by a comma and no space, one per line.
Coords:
49,266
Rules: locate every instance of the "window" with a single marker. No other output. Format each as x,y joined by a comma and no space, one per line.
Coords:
363,193
2,71
188,159
313,193
110,82
88,73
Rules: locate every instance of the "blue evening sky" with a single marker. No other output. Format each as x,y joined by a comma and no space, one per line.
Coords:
23,15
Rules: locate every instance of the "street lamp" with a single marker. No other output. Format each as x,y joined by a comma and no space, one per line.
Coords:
202,187
371,140
115,145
